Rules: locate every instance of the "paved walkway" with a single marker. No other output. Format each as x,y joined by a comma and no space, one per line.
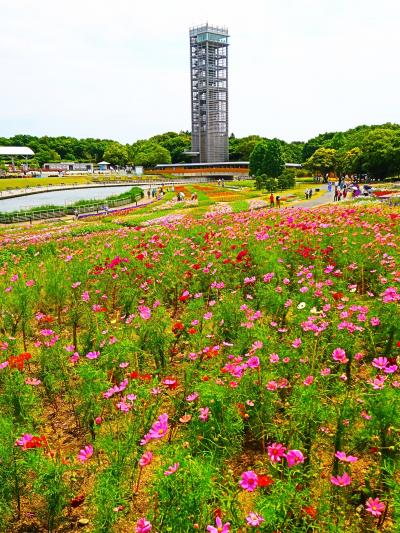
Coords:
325,198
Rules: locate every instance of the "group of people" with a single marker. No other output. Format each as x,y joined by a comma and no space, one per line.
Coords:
339,194
221,182
274,200
308,194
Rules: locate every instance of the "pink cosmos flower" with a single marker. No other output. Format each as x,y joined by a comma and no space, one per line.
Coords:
380,363
253,362
4,365
339,355
272,385
143,526
85,296
341,481
85,453
254,519
378,383
346,458
204,413
47,332
374,506
296,343
192,397
276,451
249,481
374,321
221,528
171,469
390,295
274,358
33,381
308,381
145,312
294,457
158,430
24,440
92,355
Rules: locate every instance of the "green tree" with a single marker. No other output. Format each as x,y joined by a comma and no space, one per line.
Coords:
152,154
273,164
323,160
116,154
256,162
271,184
381,153
349,162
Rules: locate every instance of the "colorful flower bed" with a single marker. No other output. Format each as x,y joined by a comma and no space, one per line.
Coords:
233,373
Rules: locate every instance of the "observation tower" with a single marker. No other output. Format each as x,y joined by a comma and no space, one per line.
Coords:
209,93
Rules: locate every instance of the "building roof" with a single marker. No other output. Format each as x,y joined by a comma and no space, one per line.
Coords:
16,150
103,163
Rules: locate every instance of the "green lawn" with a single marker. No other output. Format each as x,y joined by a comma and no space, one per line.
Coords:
23,183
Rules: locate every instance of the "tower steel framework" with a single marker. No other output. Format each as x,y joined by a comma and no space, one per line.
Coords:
209,84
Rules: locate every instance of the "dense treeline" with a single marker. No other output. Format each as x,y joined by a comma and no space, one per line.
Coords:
371,149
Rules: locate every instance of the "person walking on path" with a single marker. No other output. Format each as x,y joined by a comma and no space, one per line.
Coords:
278,201
271,200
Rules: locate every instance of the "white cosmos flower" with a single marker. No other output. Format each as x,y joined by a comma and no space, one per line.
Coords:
301,305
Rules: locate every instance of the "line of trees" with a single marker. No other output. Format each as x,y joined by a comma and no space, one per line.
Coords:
374,150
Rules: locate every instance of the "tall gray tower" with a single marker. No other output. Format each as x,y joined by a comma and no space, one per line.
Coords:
209,82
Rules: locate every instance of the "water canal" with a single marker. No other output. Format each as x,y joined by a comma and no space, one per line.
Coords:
59,198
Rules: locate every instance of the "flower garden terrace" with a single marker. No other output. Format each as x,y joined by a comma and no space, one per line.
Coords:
233,372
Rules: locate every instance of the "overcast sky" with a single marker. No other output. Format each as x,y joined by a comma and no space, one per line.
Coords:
119,69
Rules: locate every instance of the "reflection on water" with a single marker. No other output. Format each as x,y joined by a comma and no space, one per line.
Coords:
60,198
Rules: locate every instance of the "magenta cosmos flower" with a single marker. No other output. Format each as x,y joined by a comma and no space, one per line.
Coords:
276,451
341,481
339,355
85,453
294,457
158,430
374,506
143,526
221,528
346,458
249,481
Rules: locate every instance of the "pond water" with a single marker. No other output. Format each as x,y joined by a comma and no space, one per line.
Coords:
60,198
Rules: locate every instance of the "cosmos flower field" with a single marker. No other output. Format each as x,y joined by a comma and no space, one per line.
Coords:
237,372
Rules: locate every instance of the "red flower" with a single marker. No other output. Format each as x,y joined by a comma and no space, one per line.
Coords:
264,481
178,326
192,331
240,255
78,500
337,295
311,511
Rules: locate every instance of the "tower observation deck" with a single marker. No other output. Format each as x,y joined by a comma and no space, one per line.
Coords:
209,84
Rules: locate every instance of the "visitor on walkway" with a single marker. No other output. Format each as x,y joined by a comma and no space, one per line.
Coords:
310,194
271,200
278,201
306,194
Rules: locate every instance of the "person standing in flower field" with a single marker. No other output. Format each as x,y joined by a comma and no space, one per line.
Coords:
278,201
